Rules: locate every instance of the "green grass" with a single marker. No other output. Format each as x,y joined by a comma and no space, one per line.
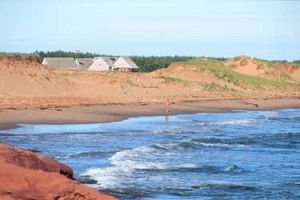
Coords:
17,54
170,79
217,68
278,75
213,87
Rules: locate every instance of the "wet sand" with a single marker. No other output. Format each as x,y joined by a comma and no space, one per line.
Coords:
108,113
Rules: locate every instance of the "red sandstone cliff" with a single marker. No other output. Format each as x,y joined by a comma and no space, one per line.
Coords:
25,175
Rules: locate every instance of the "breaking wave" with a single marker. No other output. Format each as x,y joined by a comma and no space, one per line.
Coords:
83,154
200,156
230,122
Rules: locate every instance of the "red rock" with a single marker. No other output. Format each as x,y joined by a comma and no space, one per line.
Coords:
25,175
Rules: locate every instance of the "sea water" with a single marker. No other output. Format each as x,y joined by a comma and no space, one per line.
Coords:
234,155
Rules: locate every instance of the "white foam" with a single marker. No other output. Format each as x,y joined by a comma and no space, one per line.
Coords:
230,122
110,177
170,146
269,115
125,172
55,129
222,145
125,165
139,158
170,131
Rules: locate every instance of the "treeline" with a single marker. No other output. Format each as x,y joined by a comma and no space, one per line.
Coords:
69,54
285,61
146,64
17,54
149,64
297,61
278,61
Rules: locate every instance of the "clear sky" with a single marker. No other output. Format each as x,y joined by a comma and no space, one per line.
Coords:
268,29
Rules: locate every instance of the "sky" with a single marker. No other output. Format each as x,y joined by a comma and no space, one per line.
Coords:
268,29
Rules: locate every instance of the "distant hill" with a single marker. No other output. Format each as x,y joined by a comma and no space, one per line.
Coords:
241,73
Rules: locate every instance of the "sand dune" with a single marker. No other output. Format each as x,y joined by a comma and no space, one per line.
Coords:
246,65
24,76
25,83
275,71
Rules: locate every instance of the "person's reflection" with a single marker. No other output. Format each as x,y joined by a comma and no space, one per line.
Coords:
166,118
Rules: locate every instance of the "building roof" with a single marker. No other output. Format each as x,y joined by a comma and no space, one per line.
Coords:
109,60
61,63
84,63
130,62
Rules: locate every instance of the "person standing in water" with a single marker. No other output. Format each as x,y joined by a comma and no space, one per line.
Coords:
168,103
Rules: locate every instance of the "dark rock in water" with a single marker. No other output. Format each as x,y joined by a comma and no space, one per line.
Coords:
85,180
231,168
32,150
134,193
223,187
196,187
6,134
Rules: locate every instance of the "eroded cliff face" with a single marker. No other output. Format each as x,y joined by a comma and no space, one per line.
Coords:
25,175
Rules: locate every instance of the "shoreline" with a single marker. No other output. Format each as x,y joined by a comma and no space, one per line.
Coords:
116,112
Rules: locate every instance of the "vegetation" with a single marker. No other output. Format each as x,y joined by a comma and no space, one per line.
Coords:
297,62
271,61
171,79
149,64
146,64
215,87
214,58
217,68
69,54
17,54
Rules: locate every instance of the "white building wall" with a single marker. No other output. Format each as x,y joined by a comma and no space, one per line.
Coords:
99,65
77,63
44,62
121,63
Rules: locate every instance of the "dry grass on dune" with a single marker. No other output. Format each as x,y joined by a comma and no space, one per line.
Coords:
271,70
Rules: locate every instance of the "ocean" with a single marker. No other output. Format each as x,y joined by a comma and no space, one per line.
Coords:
234,155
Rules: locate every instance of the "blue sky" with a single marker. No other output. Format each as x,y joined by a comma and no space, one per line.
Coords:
268,29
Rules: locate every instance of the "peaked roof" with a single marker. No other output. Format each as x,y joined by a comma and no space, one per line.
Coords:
130,62
108,60
62,63
84,63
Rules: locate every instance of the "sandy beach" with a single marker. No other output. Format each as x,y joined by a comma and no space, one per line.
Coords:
152,100
109,113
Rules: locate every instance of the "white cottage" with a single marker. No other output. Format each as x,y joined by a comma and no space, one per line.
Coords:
102,64
112,63
125,64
